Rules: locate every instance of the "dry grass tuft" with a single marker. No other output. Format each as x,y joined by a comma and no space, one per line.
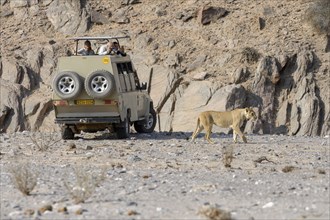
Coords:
24,177
85,183
215,213
227,155
43,141
288,169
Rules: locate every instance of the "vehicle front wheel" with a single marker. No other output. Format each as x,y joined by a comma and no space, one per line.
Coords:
123,129
67,133
148,125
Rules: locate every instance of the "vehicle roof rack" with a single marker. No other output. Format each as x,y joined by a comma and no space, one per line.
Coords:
99,38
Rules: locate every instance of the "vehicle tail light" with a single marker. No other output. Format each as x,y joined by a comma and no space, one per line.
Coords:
110,102
60,103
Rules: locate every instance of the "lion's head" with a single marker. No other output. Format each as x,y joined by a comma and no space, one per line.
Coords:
249,113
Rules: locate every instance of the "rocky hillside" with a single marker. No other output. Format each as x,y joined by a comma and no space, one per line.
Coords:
205,55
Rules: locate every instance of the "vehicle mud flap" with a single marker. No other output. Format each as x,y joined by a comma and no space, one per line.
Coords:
67,133
123,129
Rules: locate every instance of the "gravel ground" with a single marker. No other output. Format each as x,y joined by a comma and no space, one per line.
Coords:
165,176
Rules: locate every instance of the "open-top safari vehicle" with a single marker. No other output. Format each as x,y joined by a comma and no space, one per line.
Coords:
97,92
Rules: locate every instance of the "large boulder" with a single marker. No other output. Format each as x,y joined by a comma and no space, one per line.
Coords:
37,109
206,96
12,118
305,110
69,16
299,105
25,88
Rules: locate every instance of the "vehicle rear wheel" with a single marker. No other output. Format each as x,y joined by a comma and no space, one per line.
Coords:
67,85
99,84
123,129
148,125
67,133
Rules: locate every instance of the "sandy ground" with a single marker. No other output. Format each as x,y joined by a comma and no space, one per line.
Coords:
165,176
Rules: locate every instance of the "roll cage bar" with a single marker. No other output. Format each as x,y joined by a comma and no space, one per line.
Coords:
106,38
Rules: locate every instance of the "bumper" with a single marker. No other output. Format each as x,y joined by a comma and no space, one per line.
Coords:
105,120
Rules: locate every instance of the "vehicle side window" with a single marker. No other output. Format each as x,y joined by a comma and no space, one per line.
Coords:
126,76
135,78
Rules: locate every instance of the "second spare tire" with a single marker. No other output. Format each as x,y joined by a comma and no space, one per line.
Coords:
99,84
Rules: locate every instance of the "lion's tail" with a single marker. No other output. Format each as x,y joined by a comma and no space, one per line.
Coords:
198,122
196,130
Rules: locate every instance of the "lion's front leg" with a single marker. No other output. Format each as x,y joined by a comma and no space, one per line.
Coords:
238,131
235,136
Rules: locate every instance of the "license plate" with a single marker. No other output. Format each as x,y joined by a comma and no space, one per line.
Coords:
84,102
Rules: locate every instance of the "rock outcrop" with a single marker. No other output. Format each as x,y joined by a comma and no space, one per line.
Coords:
302,109
69,16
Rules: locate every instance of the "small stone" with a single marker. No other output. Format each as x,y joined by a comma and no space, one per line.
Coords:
268,205
62,209
15,215
89,148
89,155
78,212
200,76
132,204
132,212
75,209
29,212
321,171
72,146
45,208
171,44
134,158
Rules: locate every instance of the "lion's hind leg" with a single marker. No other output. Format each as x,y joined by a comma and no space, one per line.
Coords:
208,131
198,129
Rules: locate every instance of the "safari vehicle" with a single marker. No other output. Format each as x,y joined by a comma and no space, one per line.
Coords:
98,92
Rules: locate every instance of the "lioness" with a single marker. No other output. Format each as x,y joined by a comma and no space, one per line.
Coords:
233,119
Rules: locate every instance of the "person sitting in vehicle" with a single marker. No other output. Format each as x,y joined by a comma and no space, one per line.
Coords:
104,49
87,50
112,48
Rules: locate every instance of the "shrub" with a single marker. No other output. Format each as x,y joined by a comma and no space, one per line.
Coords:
85,183
318,15
249,55
227,155
214,213
43,141
24,177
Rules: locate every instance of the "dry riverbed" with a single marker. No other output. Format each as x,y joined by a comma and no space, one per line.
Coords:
165,176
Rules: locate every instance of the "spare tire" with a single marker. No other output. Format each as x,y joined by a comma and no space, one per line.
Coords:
67,85
99,84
